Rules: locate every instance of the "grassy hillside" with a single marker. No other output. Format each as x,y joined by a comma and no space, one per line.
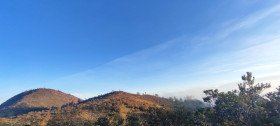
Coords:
115,104
35,100
115,108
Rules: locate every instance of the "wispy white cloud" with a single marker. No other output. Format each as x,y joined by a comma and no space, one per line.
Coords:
248,21
184,65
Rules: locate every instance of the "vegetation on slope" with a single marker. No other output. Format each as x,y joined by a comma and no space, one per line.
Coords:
115,108
35,100
242,107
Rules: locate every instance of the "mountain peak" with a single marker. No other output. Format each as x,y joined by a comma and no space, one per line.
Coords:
41,97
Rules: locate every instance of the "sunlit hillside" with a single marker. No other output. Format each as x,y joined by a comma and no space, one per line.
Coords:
34,100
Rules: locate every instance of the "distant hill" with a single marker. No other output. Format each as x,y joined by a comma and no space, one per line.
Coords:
130,99
114,108
34,100
117,105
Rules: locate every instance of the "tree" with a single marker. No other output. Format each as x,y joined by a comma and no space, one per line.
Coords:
243,106
273,107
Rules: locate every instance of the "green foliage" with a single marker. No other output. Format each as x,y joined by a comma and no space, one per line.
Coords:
273,107
102,121
133,120
110,120
242,107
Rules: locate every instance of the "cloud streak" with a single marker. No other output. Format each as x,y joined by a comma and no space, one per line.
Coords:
186,63
248,21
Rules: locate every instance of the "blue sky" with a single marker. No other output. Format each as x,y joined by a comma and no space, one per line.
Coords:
172,48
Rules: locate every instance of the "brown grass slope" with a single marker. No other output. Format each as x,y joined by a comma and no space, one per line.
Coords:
129,100
118,102
121,103
34,100
39,98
